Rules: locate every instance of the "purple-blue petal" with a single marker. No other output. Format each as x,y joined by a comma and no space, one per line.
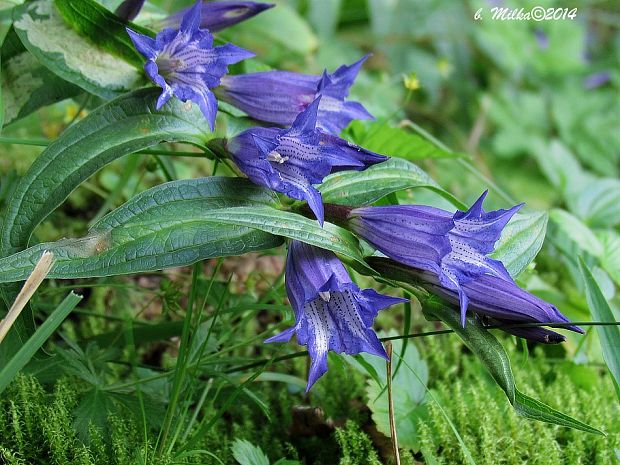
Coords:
144,44
216,16
292,161
279,96
331,312
352,157
190,23
185,64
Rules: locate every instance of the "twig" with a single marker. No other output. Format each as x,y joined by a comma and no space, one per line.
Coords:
40,271
388,349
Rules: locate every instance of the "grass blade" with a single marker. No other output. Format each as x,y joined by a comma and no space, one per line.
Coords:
609,335
35,342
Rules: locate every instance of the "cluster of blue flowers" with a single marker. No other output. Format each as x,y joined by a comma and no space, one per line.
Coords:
448,250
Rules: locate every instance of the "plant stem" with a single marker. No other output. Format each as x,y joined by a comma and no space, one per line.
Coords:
388,349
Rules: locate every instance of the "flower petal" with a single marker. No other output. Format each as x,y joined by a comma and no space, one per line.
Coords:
144,44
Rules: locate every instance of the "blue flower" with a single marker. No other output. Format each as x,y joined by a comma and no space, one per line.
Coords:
331,312
185,64
220,15
291,160
452,246
499,299
129,9
279,96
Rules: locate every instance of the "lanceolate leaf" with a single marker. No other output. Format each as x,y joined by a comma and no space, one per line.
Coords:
177,224
536,410
481,342
122,126
358,188
167,226
495,358
488,349
293,226
102,27
71,56
609,335
521,241
396,142
26,84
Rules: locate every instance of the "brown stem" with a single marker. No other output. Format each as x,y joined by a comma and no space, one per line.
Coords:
388,349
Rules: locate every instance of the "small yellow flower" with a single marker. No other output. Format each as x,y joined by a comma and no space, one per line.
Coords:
411,81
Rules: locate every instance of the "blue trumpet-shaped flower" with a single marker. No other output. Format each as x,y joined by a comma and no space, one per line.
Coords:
506,305
185,64
291,160
503,302
452,246
331,312
279,96
220,15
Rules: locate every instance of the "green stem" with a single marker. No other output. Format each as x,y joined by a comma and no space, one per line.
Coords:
468,165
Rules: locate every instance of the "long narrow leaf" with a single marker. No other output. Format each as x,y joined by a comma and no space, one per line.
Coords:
609,335
21,358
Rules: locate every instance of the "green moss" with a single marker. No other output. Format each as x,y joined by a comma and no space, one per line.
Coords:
490,428
356,446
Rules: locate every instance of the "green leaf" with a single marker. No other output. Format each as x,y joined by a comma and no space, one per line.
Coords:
521,241
1,95
601,311
37,340
102,27
278,28
610,258
408,390
396,142
484,345
598,202
357,188
247,453
536,410
69,55
577,231
122,126
26,84
292,226
167,226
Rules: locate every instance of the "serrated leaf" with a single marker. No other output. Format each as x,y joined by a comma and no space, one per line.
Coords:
163,227
122,126
26,84
601,311
396,142
521,241
102,27
247,453
69,55
358,188
577,231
